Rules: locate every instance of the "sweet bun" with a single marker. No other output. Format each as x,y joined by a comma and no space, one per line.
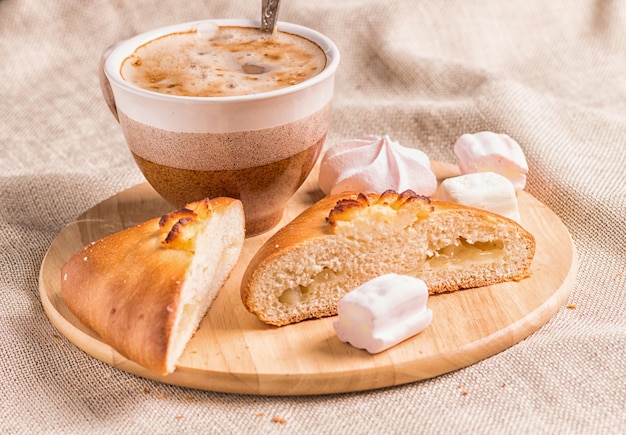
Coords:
344,240
145,289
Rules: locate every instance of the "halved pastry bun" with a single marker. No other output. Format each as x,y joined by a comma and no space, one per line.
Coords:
344,240
145,289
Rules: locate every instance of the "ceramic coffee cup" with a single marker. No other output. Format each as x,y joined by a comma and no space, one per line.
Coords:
258,147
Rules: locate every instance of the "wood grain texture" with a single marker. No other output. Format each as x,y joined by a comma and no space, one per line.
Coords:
233,351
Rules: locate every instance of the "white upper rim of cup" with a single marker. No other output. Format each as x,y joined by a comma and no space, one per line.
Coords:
228,114
125,48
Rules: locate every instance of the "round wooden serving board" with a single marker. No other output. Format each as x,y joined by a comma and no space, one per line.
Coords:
233,351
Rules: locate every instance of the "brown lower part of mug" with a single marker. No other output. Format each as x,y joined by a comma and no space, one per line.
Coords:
264,190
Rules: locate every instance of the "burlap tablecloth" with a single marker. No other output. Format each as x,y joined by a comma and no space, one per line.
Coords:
550,74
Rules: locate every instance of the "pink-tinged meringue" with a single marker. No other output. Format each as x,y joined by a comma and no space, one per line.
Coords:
484,190
492,152
374,164
383,312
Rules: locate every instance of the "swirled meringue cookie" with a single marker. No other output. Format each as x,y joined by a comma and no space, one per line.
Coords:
492,152
374,164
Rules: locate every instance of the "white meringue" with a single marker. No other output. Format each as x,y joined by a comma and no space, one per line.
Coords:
374,164
484,190
383,312
492,152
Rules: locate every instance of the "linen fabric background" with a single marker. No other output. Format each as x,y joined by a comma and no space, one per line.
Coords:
549,74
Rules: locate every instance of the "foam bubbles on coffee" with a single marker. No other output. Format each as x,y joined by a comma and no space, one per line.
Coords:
224,61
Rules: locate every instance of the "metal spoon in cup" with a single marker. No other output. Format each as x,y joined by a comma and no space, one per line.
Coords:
269,15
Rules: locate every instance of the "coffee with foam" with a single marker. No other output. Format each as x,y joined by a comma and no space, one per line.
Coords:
222,61
217,108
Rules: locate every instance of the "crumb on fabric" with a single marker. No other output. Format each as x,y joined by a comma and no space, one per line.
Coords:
278,420
571,307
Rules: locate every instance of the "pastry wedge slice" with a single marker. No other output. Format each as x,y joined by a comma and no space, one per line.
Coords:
145,289
344,240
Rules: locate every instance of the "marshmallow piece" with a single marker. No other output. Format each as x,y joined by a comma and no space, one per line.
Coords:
374,164
383,312
485,190
492,152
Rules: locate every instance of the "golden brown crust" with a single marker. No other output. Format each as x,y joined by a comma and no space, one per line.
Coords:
127,286
375,234
345,208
